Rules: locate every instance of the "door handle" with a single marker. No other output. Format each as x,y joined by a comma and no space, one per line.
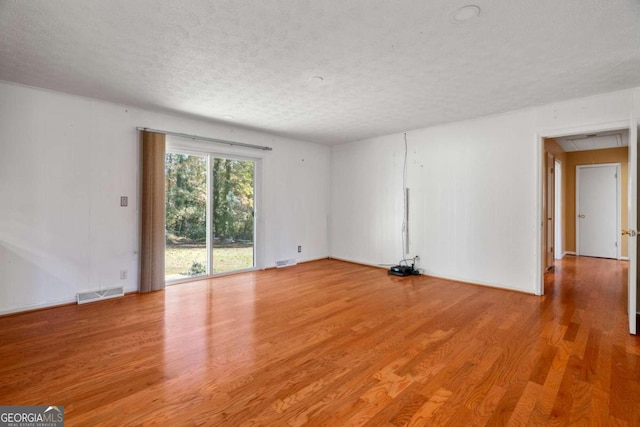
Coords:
581,216
631,233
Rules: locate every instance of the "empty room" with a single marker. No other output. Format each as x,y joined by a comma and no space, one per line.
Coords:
329,213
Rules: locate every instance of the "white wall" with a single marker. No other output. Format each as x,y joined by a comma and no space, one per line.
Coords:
475,190
64,163
66,160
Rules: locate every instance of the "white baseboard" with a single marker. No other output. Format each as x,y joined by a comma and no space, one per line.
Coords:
451,278
624,258
298,261
302,261
386,267
568,253
48,304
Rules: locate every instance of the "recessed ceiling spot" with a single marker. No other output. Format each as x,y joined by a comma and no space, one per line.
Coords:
465,13
316,79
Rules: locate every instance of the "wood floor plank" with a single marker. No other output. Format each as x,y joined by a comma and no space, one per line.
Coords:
581,407
525,404
481,413
424,414
332,343
561,411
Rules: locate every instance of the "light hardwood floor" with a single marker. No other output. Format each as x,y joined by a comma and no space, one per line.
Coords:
335,344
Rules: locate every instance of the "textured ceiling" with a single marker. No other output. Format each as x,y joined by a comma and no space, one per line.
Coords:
388,66
594,141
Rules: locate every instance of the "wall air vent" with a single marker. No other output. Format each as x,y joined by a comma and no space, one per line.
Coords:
85,297
286,263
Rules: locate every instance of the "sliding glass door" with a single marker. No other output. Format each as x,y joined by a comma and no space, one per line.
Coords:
186,215
210,214
233,214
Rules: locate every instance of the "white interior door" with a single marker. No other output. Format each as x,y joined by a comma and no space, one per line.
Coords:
633,225
550,210
558,210
597,209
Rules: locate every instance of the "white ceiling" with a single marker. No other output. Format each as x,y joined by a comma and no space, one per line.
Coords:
388,66
595,141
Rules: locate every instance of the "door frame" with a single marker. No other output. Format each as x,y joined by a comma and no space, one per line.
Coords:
632,126
618,167
541,135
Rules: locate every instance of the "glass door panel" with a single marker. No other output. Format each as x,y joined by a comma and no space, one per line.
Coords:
233,183
186,216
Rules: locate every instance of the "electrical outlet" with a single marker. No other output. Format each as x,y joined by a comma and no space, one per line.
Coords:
123,274
124,201
299,249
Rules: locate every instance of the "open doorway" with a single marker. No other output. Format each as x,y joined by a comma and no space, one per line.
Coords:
614,144
566,157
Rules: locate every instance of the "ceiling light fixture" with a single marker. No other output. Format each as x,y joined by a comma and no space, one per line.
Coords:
465,13
228,117
316,79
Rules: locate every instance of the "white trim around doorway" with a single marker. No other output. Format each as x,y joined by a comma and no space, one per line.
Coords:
540,136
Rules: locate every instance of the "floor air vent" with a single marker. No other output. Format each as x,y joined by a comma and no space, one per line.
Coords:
285,263
84,297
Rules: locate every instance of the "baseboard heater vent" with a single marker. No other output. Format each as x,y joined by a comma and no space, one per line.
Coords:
85,297
286,263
